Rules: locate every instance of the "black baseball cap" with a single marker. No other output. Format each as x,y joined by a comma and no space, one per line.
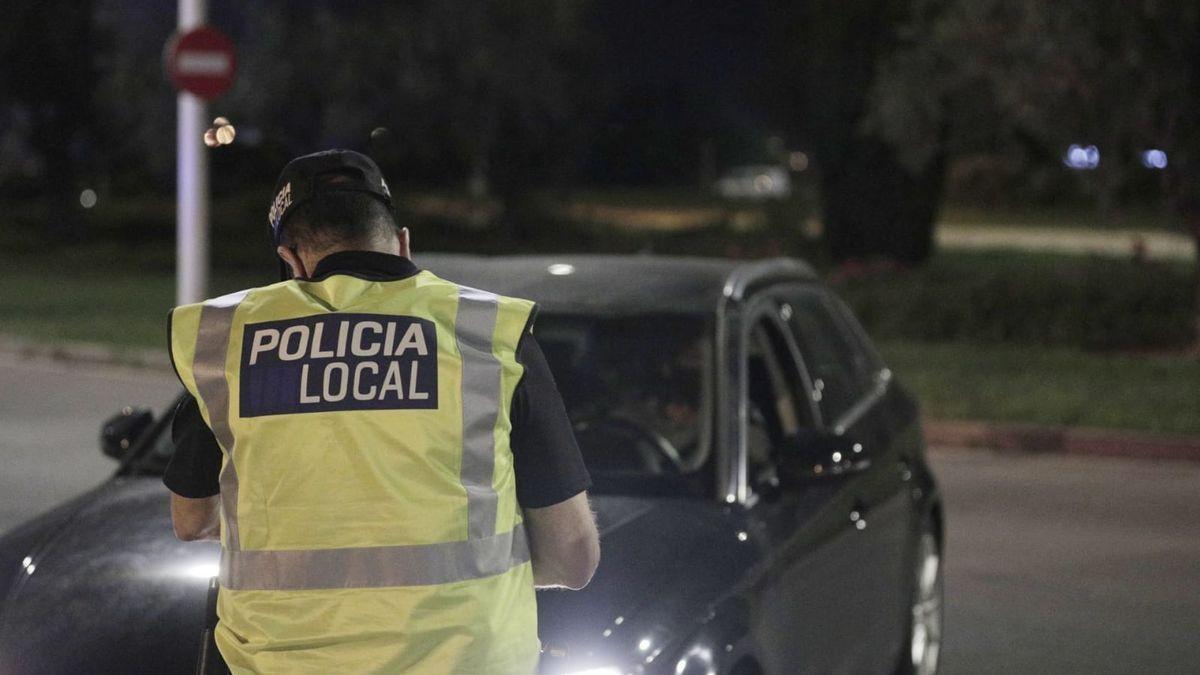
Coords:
327,171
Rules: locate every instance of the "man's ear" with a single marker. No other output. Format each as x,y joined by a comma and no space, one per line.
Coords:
293,261
402,241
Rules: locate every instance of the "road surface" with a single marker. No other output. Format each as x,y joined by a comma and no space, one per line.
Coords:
1054,564
50,417
1059,564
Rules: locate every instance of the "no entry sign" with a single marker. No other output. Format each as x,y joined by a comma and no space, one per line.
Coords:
201,61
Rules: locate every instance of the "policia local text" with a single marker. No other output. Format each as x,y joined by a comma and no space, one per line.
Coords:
346,360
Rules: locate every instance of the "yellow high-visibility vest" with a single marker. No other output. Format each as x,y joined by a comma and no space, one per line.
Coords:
369,519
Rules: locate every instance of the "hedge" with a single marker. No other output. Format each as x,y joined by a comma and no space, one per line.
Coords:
1093,303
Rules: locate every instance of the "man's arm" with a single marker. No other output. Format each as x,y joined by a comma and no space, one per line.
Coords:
196,519
192,475
564,543
552,480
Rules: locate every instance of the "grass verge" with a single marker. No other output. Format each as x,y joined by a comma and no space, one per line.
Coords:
124,308
1060,386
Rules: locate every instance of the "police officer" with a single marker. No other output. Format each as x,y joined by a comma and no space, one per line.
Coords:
382,453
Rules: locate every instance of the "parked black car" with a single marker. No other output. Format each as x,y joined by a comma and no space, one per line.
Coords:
764,500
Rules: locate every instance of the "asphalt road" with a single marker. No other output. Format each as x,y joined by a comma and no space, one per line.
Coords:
1058,564
50,417
1054,564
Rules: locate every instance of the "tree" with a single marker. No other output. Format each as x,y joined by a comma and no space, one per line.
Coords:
50,50
824,57
453,80
1122,75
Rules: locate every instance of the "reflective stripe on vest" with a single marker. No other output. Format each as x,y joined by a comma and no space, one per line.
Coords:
480,386
483,554
376,566
208,366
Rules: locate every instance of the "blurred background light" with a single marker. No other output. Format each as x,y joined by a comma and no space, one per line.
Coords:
1083,157
1154,159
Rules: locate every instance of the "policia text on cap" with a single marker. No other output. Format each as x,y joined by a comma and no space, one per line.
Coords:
382,453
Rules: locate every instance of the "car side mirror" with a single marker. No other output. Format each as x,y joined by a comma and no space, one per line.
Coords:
122,430
814,454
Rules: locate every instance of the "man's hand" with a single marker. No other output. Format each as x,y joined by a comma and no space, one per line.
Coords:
196,519
564,543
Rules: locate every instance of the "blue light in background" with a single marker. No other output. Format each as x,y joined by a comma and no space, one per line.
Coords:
1154,159
1084,157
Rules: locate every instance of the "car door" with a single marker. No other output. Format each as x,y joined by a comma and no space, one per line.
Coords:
850,386
806,615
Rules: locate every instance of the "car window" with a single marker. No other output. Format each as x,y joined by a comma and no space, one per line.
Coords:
867,361
776,405
839,367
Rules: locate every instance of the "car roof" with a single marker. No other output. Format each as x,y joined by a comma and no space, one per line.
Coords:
615,284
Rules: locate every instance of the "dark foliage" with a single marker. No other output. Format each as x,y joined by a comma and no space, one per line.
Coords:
824,57
1087,303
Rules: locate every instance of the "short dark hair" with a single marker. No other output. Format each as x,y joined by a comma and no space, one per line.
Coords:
338,219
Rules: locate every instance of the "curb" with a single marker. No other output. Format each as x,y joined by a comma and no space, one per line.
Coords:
1082,441
85,353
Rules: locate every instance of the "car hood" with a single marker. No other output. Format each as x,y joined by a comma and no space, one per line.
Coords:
112,589
666,567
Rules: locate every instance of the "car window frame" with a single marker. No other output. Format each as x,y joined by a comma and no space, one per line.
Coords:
876,380
762,304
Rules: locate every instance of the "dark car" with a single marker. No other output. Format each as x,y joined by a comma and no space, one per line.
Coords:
763,495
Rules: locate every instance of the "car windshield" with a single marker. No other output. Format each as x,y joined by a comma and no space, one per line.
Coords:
637,390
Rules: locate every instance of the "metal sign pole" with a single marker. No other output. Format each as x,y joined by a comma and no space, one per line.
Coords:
191,175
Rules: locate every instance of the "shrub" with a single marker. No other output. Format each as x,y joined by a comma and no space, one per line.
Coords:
1033,299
